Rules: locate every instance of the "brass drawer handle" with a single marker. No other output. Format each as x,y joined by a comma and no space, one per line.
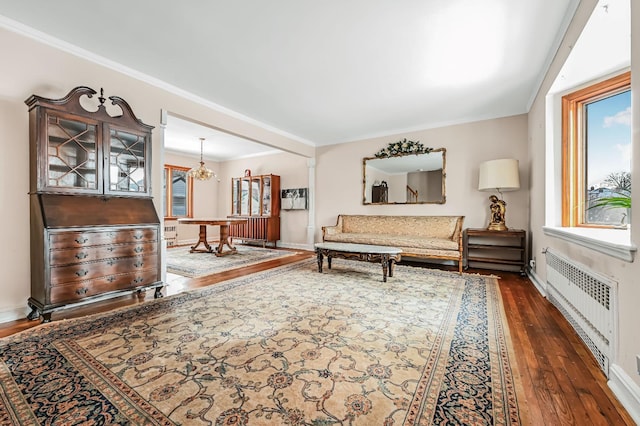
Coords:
111,262
138,237
82,255
138,280
111,278
81,291
82,272
110,248
81,240
138,264
138,249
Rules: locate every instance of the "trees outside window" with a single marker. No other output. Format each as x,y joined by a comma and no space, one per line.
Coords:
612,202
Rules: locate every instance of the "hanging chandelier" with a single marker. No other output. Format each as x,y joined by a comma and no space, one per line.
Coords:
201,172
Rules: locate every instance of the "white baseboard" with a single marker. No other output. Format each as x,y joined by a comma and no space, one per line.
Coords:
535,279
298,246
14,314
625,389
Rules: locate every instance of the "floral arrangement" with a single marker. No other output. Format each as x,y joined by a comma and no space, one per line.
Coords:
403,147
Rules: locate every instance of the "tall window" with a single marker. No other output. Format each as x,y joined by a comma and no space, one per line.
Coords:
596,151
178,192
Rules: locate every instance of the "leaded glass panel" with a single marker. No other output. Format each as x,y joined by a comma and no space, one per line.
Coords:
127,162
71,150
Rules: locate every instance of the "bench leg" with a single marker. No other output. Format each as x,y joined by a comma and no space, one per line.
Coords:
319,254
385,267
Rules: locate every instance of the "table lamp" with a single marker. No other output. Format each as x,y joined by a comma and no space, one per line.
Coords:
499,175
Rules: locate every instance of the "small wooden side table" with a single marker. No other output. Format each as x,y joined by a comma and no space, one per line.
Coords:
484,247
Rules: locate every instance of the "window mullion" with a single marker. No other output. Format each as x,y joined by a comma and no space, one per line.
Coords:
579,179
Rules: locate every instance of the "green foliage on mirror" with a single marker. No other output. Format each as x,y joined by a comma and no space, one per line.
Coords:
403,147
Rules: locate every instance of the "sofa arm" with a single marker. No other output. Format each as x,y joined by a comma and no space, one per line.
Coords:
330,230
457,233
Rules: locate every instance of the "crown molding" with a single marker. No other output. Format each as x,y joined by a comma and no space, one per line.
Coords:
79,52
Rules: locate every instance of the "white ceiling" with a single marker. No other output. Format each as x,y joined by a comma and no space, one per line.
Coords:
324,71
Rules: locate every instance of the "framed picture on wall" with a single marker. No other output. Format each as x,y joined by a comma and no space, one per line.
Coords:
293,199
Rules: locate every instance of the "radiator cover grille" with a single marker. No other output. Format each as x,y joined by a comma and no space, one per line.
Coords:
588,301
171,235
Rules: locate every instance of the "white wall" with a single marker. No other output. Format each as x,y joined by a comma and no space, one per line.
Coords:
467,146
624,378
14,213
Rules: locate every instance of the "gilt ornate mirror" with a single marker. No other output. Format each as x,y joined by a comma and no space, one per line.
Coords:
405,172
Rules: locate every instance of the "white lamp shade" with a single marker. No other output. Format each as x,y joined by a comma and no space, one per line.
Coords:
501,175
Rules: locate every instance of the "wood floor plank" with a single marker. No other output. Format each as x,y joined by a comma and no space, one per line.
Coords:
561,381
569,386
529,367
543,385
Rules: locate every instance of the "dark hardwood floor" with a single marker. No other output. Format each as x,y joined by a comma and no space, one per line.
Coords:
561,381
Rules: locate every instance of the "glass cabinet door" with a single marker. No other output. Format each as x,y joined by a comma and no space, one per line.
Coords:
71,155
266,196
127,152
256,187
235,197
244,198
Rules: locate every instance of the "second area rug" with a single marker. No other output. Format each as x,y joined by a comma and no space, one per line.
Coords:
181,262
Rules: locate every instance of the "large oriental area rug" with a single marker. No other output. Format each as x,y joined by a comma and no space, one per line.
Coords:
198,264
287,346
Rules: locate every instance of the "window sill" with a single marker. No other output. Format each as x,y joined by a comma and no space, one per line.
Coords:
613,242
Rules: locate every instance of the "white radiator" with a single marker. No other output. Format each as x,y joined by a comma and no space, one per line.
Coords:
588,301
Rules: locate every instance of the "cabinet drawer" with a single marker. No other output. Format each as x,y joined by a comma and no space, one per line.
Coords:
92,238
79,290
84,271
87,254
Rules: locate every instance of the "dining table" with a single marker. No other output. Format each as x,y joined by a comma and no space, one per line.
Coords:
225,237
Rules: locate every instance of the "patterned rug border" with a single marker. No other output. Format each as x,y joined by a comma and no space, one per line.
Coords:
523,407
80,326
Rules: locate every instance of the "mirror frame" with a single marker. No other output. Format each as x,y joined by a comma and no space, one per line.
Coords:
427,151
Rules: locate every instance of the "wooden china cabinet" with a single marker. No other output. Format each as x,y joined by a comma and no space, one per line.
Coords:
257,199
95,233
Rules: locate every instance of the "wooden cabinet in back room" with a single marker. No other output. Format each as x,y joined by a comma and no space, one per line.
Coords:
95,232
256,198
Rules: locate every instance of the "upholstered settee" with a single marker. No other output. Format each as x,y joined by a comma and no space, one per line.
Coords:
436,237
